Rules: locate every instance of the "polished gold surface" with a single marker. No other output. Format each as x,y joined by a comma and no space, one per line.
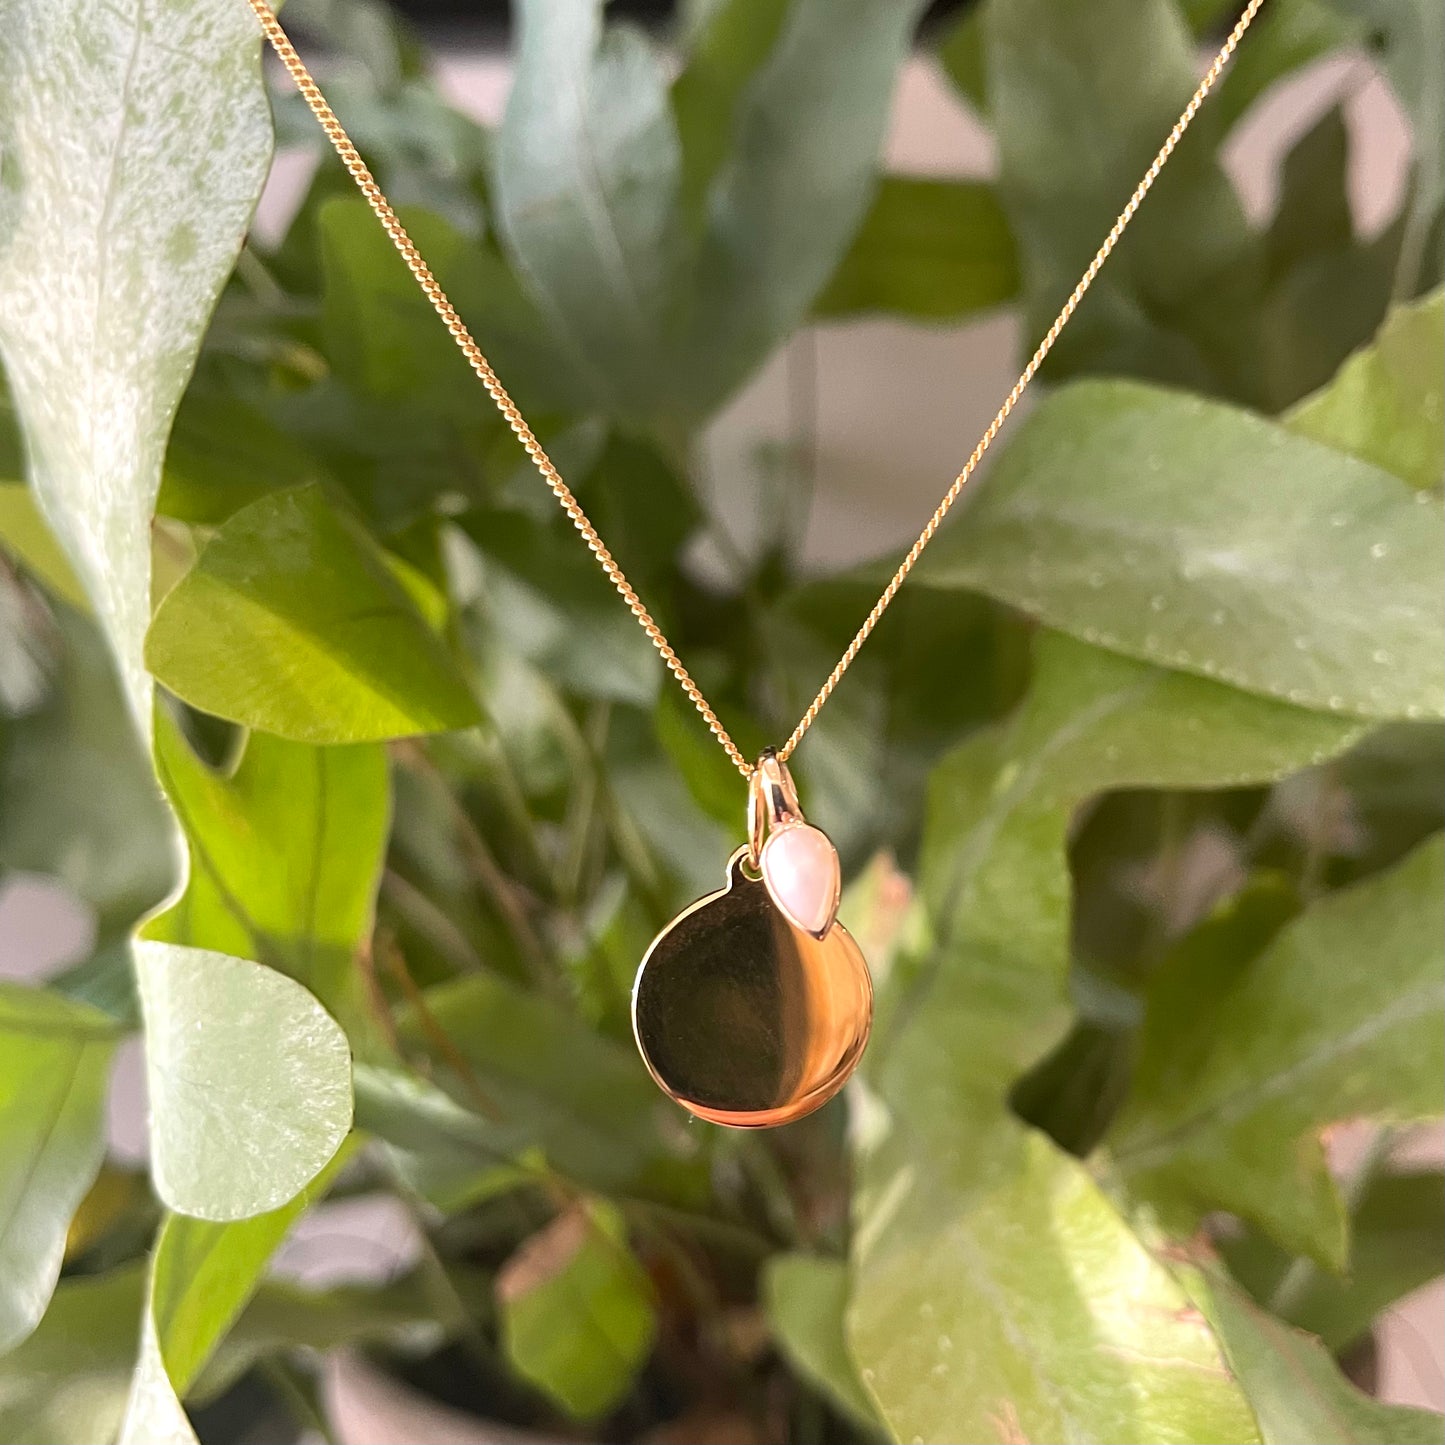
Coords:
366,182
744,1019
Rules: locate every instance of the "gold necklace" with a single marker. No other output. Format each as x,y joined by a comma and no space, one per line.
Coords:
753,1006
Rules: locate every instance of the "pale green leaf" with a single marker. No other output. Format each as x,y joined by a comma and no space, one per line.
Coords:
291,622
1203,538
585,190
1387,402
928,250
286,853
249,1082
54,1067
1295,1388
1228,1107
136,139
67,1383
805,1296
577,1316
997,1295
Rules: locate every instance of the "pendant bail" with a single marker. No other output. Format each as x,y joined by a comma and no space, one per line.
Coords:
772,803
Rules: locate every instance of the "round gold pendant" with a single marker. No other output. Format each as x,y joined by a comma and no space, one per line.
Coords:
743,1017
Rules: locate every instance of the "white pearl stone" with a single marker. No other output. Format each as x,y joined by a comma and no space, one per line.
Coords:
800,868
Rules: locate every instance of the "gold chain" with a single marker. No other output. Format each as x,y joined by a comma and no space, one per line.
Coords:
366,183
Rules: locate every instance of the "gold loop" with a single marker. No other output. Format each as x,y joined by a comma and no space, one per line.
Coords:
772,802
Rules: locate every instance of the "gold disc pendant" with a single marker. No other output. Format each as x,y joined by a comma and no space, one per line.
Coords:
753,1006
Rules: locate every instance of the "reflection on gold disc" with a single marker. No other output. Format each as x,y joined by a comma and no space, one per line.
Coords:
744,1019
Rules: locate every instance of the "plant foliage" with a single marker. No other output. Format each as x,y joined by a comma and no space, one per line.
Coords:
376,794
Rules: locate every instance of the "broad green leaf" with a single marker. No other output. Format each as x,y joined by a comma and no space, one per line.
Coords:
961,54
80,803
291,622
286,852
996,1292
1387,402
730,42
54,1067
202,1274
781,209
1203,538
577,1316
389,346
550,1082
1081,99
67,1383
585,190
1395,1233
928,250
1227,1108
25,535
805,1296
248,1078
1295,1388
136,139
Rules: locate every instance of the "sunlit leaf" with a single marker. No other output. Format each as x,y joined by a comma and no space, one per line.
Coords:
136,142
576,1310
969,1314
248,1078
26,536
286,852
1201,537
54,1067
291,622
1229,1101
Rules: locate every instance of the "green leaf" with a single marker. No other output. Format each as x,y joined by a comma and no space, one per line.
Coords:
1395,1234
248,1078
1386,403
1227,1111
26,537
1296,1389
928,250
731,41
553,1083
66,1384
585,190
576,1310
961,54
286,853
781,209
78,801
805,1296
54,1068
292,622
1200,537
202,1274
136,142
996,1292
1081,99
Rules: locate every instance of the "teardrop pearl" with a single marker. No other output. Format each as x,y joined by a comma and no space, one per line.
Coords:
800,867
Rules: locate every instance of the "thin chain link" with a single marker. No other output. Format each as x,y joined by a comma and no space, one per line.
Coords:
366,183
